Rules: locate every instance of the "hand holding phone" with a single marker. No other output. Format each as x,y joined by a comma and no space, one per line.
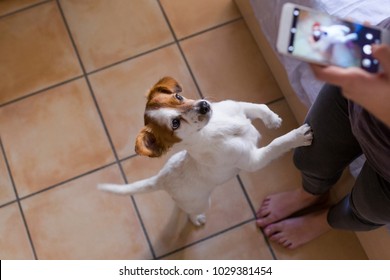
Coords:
319,38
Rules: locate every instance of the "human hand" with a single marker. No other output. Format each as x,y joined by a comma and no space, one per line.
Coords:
371,91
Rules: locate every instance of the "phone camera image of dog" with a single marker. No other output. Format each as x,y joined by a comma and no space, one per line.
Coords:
215,142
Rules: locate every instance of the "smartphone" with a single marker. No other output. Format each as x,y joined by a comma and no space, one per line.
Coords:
317,37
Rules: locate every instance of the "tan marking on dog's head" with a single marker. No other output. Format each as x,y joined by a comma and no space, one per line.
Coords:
169,118
165,85
154,141
155,138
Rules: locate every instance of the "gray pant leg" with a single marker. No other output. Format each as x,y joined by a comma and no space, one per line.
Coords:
368,205
334,147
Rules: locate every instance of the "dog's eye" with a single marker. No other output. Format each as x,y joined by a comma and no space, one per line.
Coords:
179,97
175,123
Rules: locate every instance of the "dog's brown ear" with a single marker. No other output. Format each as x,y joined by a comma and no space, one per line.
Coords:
166,85
147,144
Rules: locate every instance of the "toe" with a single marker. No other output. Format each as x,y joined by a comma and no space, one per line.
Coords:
285,243
263,222
263,210
262,213
271,230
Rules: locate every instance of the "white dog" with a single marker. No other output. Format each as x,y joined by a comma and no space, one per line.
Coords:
217,141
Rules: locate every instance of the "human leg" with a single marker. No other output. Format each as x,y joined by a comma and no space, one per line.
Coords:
322,163
367,207
334,146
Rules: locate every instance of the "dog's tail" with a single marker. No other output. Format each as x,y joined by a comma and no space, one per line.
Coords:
142,186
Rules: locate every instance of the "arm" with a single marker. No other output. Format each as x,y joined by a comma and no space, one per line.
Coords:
371,91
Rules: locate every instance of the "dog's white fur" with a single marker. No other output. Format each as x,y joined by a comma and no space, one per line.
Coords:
215,145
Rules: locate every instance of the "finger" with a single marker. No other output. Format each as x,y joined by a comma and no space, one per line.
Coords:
382,53
341,76
330,74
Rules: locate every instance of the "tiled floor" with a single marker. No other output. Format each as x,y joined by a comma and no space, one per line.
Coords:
73,79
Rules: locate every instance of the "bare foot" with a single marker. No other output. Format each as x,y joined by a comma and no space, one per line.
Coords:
281,205
295,232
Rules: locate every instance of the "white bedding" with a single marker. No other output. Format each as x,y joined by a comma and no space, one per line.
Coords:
304,84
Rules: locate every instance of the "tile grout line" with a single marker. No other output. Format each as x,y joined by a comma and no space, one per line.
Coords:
130,58
24,9
40,91
18,201
206,238
85,75
249,201
8,203
67,181
180,48
269,103
209,29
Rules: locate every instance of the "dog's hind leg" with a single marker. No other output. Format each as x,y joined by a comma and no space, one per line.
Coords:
141,186
258,158
197,219
196,209
261,111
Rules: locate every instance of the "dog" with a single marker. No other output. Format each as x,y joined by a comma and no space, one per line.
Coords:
215,142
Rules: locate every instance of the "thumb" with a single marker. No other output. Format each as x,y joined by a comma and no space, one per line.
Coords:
382,53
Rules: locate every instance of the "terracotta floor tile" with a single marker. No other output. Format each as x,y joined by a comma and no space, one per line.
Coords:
242,243
369,240
77,221
7,193
53,136
190,16
109,31
228,65
9,6
35,52
167,226
121,92
14,241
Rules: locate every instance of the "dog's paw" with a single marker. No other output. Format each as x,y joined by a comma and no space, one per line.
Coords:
273,121
198,220
303,136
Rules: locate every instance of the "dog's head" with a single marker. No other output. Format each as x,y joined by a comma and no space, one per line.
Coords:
169,118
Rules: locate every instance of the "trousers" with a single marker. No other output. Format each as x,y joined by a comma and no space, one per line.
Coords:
334,147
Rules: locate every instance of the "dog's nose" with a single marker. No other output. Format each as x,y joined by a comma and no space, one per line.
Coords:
204,107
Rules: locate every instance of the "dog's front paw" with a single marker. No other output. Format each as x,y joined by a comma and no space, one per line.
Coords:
273,121
198,220
303,136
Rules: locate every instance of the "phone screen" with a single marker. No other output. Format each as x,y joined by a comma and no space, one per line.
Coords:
330,40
